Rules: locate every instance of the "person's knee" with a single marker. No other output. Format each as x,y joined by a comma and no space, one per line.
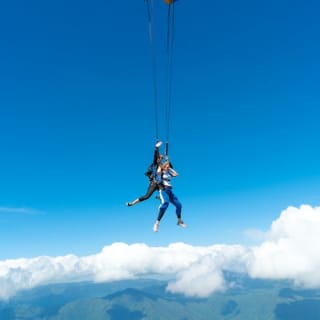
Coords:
164,205
178,205
145,197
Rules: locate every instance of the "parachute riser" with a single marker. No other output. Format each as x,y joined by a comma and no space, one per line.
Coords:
169,51
167,150
149,4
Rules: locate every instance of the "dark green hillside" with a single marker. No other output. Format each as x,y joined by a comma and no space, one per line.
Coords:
6,313
298,310
120,312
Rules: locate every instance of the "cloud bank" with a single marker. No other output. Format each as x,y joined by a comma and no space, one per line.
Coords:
289,251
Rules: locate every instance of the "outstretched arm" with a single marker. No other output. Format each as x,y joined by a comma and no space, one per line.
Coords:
156,153
173,172
155,156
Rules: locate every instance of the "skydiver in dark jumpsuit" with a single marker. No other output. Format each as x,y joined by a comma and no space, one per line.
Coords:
152,175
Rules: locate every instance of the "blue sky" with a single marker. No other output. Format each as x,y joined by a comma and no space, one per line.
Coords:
77,122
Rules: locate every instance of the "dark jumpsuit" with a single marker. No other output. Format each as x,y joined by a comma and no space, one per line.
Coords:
152,174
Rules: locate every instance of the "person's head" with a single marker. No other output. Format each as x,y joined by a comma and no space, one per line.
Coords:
160,158
166,165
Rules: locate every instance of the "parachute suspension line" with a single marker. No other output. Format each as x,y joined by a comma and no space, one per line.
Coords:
170,39
154,64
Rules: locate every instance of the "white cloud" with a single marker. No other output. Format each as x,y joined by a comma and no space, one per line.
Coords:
255,234
200,279
199,266
18,210
290,251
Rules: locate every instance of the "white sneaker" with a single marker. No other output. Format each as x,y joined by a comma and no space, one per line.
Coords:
158,144
181,224
156,227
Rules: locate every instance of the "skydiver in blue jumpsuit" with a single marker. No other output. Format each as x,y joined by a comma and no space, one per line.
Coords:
165,173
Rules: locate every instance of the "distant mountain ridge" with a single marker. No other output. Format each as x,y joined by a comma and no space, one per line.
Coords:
149,300
137,294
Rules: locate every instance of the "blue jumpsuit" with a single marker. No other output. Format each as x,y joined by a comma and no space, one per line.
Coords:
167,196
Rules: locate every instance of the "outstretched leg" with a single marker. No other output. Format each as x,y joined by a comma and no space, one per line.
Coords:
151,189
164,203
175,201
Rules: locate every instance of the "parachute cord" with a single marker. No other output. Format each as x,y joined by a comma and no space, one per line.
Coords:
154,64
170,41
167,149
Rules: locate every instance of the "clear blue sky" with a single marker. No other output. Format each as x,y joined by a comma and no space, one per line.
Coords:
77,120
